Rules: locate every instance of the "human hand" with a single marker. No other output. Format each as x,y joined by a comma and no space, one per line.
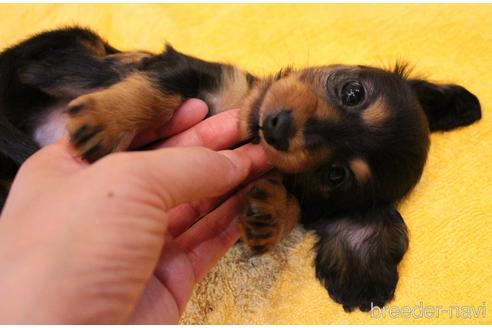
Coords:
116,241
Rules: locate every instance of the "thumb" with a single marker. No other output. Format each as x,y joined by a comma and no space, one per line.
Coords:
179,175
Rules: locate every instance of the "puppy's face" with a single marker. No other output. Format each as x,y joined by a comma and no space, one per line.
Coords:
353,135
353,141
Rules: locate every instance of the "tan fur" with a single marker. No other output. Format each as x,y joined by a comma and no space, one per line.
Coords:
295,161
292,95
283,209
297,97
138,105
234,86
332,252
376,114
283,73
248,103
130,56
97,48
361,170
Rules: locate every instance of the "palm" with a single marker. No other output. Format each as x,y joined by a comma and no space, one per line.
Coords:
168,289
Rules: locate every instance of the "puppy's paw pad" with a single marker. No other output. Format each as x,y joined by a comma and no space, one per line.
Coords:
261,228
258,193
364,302
91,129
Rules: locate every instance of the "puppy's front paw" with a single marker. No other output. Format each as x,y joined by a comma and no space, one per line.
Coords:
270,215
92,129
368,295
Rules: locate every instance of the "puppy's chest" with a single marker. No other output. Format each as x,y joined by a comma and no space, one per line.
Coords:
231,92
51,126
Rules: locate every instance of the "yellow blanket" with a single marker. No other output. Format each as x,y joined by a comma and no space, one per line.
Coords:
449,215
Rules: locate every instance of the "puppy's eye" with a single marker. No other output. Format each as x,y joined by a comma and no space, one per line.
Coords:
352,93
337,174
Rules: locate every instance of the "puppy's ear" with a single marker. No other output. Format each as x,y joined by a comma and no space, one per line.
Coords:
447,106
357,257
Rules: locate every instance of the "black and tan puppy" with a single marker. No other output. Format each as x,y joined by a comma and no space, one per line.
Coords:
351,141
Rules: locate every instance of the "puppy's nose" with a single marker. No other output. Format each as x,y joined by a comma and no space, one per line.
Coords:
278,128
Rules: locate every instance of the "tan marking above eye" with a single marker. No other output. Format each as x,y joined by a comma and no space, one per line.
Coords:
361,169
376,114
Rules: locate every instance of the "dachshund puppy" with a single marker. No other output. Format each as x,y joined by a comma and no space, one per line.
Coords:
351,141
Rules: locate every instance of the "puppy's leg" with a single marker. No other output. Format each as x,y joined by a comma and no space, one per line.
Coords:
106,121
357,257
270,215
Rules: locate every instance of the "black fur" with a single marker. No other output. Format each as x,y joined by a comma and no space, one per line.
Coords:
181,74
447,106
357,256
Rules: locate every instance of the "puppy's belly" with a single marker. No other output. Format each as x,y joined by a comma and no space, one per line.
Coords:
51,127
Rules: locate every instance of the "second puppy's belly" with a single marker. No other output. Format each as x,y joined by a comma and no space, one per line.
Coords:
51,127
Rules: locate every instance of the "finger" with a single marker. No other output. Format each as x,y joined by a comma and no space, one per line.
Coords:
203,245
173,176
208,240
157,305
185,215
220,131
188,114
259,161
